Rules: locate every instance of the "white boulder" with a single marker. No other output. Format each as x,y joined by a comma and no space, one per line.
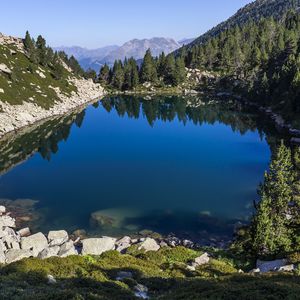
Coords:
13,255
96,246
149,244
36,242
57,238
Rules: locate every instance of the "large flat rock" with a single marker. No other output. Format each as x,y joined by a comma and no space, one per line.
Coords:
96,246
36,242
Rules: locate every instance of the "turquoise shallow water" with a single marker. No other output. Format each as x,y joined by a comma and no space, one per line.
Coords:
168,164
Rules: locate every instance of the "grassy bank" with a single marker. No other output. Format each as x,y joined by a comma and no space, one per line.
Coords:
164,273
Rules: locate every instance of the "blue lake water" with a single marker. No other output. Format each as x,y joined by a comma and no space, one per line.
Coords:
166,164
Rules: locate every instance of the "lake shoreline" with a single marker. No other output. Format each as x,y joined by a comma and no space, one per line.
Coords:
15,117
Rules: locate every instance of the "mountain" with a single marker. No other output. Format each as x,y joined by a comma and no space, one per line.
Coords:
185,41
253,11
136,48
88,58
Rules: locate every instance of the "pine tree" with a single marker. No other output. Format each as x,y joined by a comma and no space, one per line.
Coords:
104,74
118,75
148,69
180,72
271,231
170,70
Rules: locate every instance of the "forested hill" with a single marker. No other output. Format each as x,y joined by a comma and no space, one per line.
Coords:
253,11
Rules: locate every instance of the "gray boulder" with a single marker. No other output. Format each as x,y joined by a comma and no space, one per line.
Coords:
2,209
13,255
67,249
7,221
49,252
96,246
202,260
4,68
36,242
149,244
24,232
287,268
10,238
57,238
123,243
267,266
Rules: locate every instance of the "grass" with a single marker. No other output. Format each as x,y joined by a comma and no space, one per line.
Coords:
163,272
24,83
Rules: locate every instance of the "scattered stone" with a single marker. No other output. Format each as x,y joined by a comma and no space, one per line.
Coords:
202,260
7,221
10,238
96,246
36,242
24,232
267,266
51,279
2,208
163,244
4,68
49,252
287,268
141,291
67,249
13,255
123,243
123,275
149,244
57,238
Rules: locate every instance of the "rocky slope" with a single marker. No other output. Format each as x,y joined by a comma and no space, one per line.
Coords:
29,92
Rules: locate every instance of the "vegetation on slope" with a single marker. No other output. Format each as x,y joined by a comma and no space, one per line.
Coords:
254,11
35,73
164,273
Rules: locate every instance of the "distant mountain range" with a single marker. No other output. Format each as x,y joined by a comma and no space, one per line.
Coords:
95,58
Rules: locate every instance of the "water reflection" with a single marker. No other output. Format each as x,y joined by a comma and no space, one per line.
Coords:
92,184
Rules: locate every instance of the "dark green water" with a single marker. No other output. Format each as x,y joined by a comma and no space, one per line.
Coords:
168,165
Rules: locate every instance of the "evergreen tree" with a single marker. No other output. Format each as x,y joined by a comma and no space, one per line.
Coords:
170,70
104,74
148,69
180,72
118,75
271,231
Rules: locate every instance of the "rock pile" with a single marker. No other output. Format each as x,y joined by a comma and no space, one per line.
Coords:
18,244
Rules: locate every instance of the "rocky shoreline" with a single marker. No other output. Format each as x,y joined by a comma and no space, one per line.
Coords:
18,244
15,117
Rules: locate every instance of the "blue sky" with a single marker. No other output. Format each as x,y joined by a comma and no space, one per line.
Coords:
97,23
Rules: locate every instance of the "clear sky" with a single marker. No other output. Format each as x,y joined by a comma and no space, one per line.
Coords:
97,23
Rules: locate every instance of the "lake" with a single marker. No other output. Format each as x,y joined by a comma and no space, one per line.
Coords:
189,166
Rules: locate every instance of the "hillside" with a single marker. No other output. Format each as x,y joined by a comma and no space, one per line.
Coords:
253,11
37,84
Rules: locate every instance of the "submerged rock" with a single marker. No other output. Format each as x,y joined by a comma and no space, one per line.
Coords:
96,246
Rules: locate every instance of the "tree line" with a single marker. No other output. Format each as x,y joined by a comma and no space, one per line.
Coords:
264,56
128,75
40,54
